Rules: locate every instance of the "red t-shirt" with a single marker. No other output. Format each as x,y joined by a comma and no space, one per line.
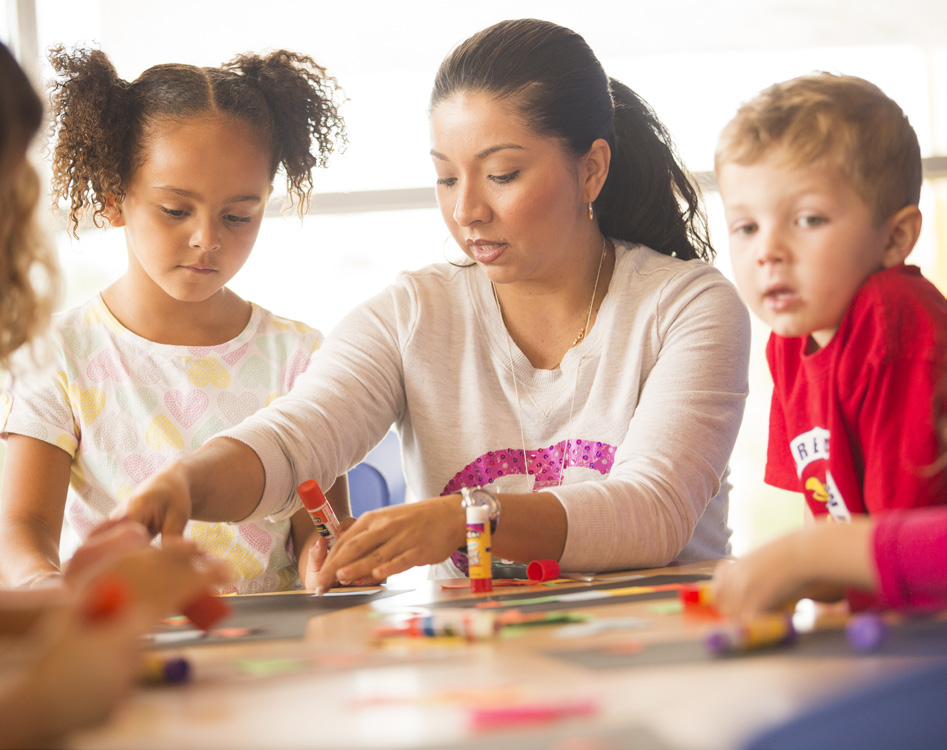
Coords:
852,425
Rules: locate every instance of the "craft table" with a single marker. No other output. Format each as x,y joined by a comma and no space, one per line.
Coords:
648,683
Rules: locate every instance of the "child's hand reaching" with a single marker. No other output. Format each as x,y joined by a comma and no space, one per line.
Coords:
817,562
159,581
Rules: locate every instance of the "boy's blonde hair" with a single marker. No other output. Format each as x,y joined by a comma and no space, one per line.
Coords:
842,120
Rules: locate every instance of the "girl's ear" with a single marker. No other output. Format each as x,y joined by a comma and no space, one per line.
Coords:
113,211
595,164
903,230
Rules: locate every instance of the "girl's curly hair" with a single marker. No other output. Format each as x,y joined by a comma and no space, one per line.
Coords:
101,120
29,275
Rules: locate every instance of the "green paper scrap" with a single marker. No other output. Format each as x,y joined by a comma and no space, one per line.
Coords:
667,608
537,600
266,667
553,618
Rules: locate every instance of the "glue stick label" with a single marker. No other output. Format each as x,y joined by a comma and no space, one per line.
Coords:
479,553
321,513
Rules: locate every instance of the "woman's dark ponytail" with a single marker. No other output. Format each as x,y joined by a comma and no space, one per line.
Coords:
648,197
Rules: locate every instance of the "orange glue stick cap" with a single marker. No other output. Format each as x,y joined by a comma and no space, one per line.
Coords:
311,494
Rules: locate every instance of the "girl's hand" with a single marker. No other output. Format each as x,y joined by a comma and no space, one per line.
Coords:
162,504
318,552
391,540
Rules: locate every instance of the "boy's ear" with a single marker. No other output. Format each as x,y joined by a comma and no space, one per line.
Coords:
903,230
113,211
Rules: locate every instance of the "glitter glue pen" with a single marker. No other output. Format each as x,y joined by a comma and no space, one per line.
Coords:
320,511
479,551
761,631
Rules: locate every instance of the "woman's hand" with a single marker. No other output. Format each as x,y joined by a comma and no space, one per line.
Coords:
391,540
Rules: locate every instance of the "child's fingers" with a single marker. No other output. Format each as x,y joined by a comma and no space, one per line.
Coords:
317,557
111,539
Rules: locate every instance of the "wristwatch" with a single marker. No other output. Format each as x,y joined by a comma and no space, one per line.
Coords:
476,496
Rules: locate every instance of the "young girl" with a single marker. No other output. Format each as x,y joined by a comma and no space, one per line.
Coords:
49,645
183,158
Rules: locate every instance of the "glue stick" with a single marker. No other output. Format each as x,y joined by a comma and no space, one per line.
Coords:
479,553
320,511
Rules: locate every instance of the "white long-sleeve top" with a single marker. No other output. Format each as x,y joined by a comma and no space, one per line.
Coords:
632,433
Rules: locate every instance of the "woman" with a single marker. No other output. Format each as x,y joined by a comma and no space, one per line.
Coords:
586,366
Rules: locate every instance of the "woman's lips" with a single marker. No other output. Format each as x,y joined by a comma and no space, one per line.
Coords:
486,252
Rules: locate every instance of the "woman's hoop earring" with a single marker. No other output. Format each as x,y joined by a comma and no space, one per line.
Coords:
591,213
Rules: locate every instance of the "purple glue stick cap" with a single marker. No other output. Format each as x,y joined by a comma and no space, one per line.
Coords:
865,631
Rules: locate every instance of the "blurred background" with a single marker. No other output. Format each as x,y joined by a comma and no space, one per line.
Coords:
373,211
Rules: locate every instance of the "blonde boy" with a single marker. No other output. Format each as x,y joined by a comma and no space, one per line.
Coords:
820,178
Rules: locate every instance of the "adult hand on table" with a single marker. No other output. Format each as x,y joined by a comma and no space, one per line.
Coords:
391,540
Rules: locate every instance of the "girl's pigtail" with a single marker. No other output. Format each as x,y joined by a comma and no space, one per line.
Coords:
92,122
649,197
306,122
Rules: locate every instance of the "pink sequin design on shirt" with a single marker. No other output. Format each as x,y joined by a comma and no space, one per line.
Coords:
545,464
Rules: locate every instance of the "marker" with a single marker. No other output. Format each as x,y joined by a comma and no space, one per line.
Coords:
157,670
479,551
753,633
321,513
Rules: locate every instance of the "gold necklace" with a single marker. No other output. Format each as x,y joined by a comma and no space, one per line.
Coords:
588,318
